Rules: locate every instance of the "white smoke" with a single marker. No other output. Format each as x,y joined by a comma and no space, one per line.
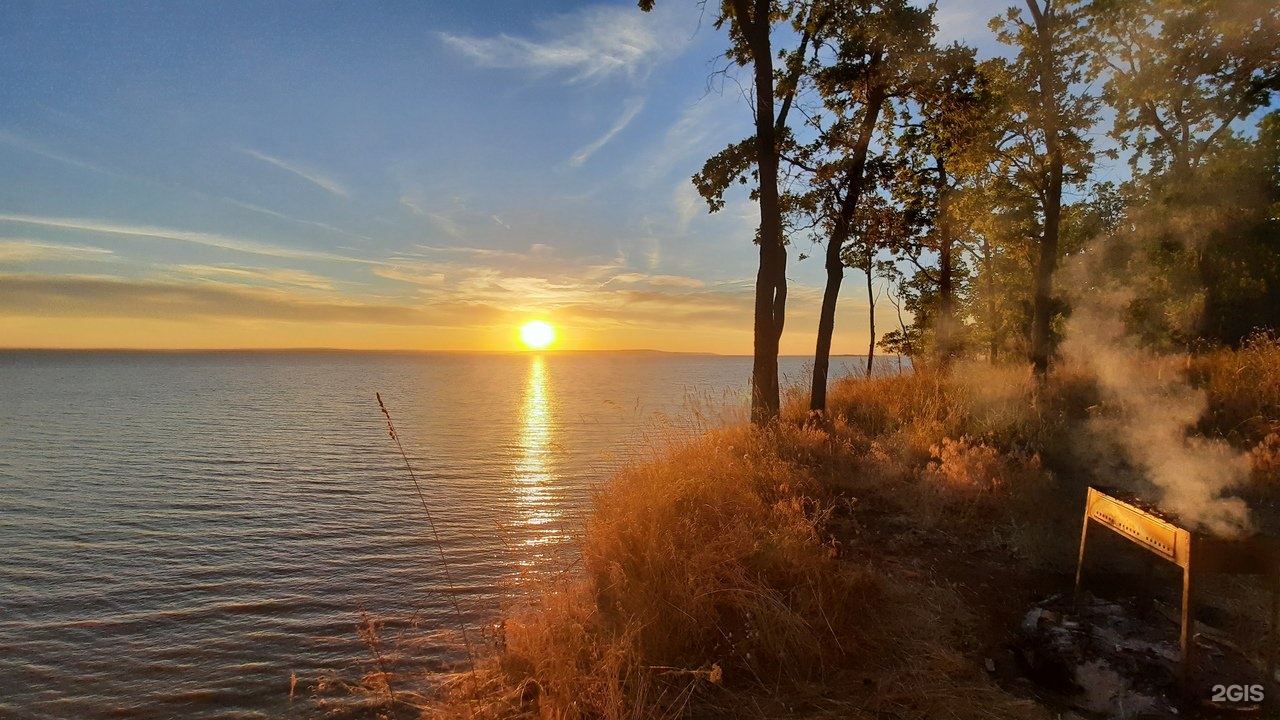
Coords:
1148,411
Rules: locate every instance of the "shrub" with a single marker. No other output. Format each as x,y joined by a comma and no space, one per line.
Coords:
708,565
1243,389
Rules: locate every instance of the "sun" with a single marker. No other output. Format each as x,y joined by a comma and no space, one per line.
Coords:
537,334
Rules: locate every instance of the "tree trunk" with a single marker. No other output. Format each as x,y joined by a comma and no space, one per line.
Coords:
835,246
1042,311
826,324
946,281
771,279
993,346
871,318
1047,263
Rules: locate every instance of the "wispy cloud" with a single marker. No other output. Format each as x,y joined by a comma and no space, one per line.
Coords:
36,148
255,275
668,281
216,240
633,108
967,21
94,296
21,250
700,131
687,204
595,290
444,220
478,298
289,218
589,45
315,178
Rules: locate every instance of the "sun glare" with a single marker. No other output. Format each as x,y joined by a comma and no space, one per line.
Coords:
537,334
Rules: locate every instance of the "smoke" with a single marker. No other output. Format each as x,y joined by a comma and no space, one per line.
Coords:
1141,433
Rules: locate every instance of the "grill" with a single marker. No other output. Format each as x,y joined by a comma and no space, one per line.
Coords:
1195,552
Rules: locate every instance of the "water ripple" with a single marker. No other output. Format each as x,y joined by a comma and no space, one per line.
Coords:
183,532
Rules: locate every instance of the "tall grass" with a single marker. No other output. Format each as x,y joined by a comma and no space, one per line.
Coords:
708,567
713,573
730,575
1243,388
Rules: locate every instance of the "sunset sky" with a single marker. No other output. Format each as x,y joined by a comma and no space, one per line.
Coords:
412,175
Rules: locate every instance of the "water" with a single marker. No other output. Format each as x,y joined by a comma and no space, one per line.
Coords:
181,533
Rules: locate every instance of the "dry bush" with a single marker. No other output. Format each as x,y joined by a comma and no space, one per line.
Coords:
1244,390
963,452
971,466
1264,459
909,412
706,566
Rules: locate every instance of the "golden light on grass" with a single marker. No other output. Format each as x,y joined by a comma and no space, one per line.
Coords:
537,335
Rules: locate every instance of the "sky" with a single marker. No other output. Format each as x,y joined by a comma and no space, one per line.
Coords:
383,175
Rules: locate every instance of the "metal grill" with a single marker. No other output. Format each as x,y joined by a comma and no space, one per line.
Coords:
1196,553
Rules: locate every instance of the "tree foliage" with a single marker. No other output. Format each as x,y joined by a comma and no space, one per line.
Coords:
957,186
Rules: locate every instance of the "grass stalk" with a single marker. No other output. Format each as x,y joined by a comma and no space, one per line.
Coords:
435,534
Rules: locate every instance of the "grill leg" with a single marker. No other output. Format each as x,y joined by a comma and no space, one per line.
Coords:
1187,639
1084,535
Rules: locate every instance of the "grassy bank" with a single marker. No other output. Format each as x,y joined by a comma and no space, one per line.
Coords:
823,569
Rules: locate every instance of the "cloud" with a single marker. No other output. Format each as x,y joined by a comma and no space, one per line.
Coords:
93,296
966,21
476,299
18,250
31,146
223,242
274,276
420,274
629,113
703,128
687,204
445,220
594,290
589,45
289,218
315,178
669,281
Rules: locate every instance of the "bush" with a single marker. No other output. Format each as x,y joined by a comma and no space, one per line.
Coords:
707,566
1244,390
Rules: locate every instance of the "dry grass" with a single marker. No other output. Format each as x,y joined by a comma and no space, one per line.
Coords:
709,574
709,566
711,582
1244,390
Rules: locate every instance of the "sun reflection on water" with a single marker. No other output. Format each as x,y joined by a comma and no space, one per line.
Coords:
536,503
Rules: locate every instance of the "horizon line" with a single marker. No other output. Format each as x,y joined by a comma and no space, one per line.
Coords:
322,349
389,351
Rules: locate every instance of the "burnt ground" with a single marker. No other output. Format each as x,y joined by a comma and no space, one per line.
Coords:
1113,656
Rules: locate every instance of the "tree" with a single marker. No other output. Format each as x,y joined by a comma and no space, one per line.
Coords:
1180,73
1182,76
1045,146
750,24
862,56
878,226
1000,259
1202,255
943,141
874,48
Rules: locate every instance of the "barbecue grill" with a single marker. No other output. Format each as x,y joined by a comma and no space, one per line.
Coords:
1197,553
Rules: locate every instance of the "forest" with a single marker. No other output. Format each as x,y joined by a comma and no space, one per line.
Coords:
1121,148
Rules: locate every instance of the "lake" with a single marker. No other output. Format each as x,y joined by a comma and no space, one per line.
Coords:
182,533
